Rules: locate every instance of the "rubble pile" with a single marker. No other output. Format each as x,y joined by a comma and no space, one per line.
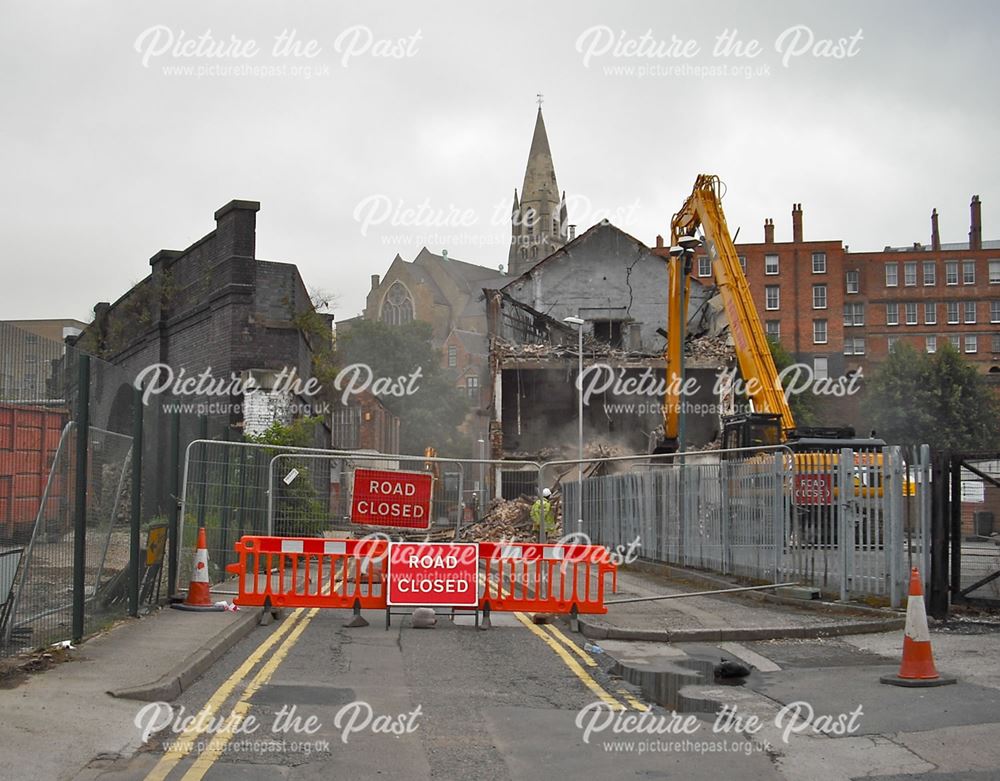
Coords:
716,348
509,520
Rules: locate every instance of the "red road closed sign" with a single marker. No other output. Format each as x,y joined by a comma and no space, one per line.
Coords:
398,499
433,573
813,488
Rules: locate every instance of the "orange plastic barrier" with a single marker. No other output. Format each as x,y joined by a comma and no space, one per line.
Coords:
310,572
543,578
318,572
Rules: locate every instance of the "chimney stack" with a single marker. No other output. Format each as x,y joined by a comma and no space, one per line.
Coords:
376,279
769,231
935,233
976,227
797,223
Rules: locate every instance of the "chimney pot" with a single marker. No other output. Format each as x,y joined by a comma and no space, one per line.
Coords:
769,231
797,223
935,233
976,224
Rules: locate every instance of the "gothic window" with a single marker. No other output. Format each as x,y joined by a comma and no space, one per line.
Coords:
524,253
534,252
555,226
397,306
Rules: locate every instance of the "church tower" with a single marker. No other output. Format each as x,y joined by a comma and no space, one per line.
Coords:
538,221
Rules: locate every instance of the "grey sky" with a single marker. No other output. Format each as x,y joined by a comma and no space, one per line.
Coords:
106,161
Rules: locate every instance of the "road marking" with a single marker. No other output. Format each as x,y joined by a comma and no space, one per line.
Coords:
219,741
186,741
740,651
637,704
587,658
572,663
563,654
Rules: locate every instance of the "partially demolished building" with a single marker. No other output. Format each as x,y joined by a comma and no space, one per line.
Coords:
618,287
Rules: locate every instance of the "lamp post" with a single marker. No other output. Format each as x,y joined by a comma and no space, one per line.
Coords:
578,322
684,251
481,493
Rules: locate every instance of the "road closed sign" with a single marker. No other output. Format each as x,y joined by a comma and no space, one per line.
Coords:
401,500
433,574
813,488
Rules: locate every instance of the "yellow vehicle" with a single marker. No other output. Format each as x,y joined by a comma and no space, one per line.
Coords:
771,422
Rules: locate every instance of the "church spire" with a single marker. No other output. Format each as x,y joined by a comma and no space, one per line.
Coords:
539,221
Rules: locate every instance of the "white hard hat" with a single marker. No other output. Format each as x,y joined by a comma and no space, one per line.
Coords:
546,492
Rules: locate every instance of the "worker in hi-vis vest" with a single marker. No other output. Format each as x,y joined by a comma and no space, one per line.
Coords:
543,507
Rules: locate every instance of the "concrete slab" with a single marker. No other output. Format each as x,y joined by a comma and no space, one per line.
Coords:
886,709
535,741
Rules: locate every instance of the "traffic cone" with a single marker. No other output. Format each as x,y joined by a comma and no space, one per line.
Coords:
199,596
917,668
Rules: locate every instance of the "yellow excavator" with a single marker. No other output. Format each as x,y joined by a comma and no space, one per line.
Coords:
770,421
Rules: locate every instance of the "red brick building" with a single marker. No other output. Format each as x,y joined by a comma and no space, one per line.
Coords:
840,310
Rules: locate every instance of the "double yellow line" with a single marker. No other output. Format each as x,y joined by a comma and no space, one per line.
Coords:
285,636
565,648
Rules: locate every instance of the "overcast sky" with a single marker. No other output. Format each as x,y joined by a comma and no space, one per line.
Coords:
109,153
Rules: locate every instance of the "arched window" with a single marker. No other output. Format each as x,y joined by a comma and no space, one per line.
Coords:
397,306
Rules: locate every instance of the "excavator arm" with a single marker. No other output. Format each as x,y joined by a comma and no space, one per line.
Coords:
703,209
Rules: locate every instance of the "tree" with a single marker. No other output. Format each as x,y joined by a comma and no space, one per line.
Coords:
940,400
803,404
432,415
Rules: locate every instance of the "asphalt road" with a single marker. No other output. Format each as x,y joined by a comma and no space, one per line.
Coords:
449,702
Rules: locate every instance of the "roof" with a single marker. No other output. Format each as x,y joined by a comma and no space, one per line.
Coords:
472,342
603,225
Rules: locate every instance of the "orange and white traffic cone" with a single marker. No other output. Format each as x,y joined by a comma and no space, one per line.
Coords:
917,668
199,597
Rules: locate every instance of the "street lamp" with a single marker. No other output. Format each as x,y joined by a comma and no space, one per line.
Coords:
684,251
578,322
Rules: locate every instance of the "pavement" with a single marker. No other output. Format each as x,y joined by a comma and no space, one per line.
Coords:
91,700
511,702
723,617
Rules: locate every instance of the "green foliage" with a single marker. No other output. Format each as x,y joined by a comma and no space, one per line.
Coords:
804,405
299,507
432,415
937,399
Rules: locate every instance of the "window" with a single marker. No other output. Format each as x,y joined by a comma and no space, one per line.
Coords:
852,281
743,263
821,368
968,272
772,297
891,341
952,312
951,272
956,341
930,273
397,306
995,343
773,329
770,265
854,345
995,272
819,296
931,344
819,262
995,311
930,314
30,358
911,312
891,275
854,314
609,331
555,226
910,273
819,331
704,267
970,311
452,356
892,314
472,386
971,343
